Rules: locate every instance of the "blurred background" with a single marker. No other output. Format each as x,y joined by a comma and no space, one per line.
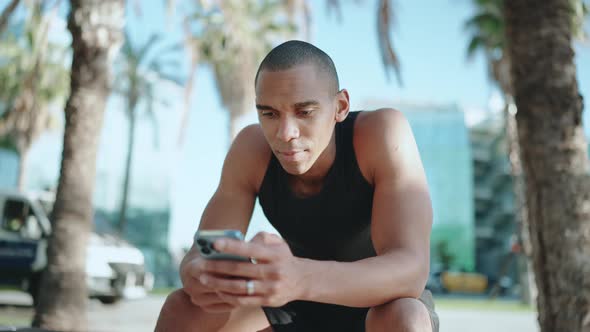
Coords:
183,86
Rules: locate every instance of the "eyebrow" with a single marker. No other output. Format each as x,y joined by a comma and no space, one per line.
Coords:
299,105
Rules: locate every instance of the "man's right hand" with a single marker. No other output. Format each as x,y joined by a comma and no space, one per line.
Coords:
204,297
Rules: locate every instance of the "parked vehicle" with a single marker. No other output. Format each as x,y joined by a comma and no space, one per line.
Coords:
114,268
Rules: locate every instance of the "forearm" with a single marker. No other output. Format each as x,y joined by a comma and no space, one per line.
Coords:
365,283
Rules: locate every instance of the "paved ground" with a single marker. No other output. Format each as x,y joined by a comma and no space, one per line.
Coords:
141,315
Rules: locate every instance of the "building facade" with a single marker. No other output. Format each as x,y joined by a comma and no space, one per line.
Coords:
494,200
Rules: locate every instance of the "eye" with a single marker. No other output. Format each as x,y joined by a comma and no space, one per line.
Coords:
268,114
305,112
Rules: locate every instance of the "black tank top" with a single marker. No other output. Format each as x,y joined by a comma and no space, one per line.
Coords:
333,224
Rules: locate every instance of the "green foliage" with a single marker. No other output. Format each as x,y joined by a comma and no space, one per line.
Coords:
27,57
487,29
234,36
487,26
445,257
6,143
249,25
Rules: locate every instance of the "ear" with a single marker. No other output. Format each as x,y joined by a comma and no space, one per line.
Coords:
342,105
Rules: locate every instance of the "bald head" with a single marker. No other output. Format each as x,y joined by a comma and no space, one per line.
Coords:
297,53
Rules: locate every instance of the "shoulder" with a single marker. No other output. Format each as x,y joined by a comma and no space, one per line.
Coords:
381,139
248,158
378,122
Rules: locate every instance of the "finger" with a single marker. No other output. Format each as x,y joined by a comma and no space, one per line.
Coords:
236,269
245,301
233,286
193,287
258,251
194,267
266,238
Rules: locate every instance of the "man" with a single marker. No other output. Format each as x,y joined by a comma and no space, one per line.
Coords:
348,194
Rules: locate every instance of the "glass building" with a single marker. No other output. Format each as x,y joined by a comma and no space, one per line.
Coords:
495,219
147,218
443,141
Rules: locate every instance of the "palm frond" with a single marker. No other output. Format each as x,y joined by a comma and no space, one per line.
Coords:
388,55
476,43
142,52
6,14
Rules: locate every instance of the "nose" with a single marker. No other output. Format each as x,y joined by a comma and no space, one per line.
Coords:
288,129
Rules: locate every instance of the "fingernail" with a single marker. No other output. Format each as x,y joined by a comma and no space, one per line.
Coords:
203,279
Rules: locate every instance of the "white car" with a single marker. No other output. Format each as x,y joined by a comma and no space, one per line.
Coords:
114,268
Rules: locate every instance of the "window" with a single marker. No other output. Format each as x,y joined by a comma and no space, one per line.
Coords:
18,217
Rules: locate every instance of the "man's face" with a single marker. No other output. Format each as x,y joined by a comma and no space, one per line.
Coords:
297,110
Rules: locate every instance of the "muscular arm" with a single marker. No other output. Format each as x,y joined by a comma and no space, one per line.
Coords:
400,226
232,204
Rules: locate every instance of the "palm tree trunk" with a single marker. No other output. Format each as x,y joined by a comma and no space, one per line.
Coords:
6,14
22,167
554,158
527,285
62,302
127,179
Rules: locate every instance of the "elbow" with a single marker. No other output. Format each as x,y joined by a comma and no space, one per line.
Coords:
414,287
416,277
421,272
417,286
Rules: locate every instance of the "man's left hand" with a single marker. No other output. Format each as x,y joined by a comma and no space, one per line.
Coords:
276,277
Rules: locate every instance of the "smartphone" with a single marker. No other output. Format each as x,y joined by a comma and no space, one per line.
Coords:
205,239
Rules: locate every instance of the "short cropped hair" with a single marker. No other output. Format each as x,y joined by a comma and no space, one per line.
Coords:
294,53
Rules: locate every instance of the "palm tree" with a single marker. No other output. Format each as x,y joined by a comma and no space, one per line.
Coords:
97,33
487,28
487,35
233,37
214,40
139,72
32,77
6,13
554,156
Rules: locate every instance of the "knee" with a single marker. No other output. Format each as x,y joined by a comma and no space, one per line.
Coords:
177,299
179,314
178,303
401,315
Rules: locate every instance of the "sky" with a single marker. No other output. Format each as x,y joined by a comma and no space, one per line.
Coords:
431,42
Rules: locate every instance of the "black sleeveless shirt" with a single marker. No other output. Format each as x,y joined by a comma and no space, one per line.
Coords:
333,224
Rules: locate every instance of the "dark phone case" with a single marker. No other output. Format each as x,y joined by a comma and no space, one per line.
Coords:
205,239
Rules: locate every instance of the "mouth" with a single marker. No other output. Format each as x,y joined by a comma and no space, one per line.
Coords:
290,152
291,155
